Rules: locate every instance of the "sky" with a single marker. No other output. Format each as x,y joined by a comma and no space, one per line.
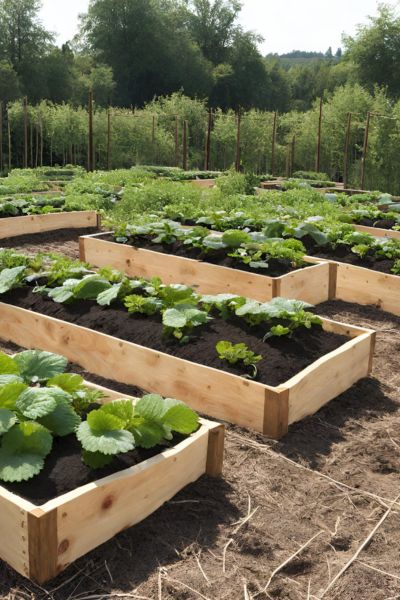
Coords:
284,24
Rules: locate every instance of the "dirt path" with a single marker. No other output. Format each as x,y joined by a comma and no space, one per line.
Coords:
184,551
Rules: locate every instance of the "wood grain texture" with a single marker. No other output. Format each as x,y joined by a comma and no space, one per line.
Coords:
215,452
96,512
43,545
30,224
14,531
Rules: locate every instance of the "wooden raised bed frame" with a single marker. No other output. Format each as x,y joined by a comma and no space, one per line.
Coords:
41,541
267,409
310,284
30,224
365,286
378,232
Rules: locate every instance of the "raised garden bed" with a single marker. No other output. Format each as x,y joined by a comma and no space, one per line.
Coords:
41,541
353,283
310,284
30,224
269,409
378,231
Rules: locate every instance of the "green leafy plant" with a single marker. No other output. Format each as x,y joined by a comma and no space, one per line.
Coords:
238,353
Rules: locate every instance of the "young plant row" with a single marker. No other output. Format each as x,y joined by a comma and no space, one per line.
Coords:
181,310
40,401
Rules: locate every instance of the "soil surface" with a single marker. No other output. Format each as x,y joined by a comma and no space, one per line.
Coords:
64,241
379,223
333,476
283,357
277,267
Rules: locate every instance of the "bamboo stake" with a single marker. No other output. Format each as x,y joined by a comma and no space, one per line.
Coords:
109,139
185,146
90,144
346,151
273,143
318,160
238,161
208,142
25,158
365,150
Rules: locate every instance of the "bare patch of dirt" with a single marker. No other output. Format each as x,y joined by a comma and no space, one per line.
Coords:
63,241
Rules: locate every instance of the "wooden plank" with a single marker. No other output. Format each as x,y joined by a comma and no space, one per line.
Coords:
43,547
213,392
210,391
95,513
215,453
365,286
30,224
378,232
14,531
276,413
310,284
328,377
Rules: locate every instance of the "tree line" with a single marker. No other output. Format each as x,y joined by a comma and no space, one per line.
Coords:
130,51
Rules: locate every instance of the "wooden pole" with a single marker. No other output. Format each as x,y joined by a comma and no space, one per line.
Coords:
237,163
292,155
109,139
346,151
36,145
90,144
1,136
365,150
185,146
176,141
288,152
25,159
208,142
318,160
273,143
9,140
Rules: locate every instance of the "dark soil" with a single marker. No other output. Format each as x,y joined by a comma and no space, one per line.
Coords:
343,254
380,223
277,267
282,357
65,241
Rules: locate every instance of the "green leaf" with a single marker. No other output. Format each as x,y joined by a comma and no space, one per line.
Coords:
235,238
8,366
10,393
28,437
96,460
148,434
61,294
100,421
113,441
6,379
69,382
39,402
10,278
37,365
7,420
109,295
151,407
62,421
181,418
122,409
19,467
174,318
90,287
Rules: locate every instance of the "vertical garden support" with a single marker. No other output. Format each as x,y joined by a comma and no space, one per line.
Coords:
318,160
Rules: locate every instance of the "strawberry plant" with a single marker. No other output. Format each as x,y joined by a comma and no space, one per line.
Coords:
238,353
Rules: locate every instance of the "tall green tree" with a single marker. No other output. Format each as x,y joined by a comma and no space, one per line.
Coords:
375,51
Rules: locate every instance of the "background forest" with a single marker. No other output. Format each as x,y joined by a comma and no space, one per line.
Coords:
163,62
